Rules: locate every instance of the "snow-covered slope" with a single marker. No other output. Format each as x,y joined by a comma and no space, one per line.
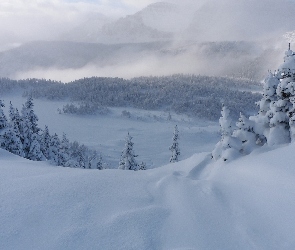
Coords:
193,204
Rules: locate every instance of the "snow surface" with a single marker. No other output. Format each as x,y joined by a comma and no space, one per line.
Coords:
192,204
196,203
151,131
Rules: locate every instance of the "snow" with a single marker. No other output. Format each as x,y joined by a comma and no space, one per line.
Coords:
193,204
151,131
196,203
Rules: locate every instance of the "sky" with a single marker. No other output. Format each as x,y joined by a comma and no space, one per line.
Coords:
217,20
25,20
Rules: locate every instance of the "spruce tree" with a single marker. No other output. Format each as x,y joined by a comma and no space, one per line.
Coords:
35,152
228,147
128,161
45,142
282,109
11,136
245,133
54,150
63,154
174,148
29,126
3,127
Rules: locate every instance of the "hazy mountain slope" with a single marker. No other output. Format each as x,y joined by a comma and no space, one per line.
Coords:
156,22
63,55
88,31
131,29
246,204
238,59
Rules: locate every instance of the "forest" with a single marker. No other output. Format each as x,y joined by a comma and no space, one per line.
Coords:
193,95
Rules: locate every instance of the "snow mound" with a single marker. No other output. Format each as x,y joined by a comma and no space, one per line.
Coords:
192,204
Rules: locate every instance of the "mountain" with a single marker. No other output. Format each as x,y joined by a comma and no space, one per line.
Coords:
165,17
237,59
156,22
231,20
88,31
131,29
71,55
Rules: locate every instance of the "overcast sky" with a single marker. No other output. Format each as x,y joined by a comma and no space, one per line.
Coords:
24,20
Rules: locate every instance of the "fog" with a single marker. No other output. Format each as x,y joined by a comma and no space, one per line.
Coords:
264,23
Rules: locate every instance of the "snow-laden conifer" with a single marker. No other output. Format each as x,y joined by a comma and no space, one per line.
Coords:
245,133
127,161
12,137
63,151
229,147
29,126
45,142
174,148
281,109
142,166
3,119
54,150
35,152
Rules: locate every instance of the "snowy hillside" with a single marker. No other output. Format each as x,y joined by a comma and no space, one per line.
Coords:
67,61
193,204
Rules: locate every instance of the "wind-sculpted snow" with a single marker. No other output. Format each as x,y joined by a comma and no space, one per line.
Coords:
246,204
198,96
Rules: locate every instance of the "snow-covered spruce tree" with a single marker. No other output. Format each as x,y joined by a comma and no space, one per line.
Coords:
99,164
292,119
281,110
229,147
63,151
262,119
45,142
3,123
3,119
29,127
142,166
11,136
54,150
174,148
245,133
128,161
35,152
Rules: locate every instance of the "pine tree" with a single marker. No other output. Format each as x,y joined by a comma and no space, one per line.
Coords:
64,154
45,142
174,148
11,136
228,147
35,152
3,124
281,110
3,119
54,150
29,126
99,164
142,166
128,161
245,133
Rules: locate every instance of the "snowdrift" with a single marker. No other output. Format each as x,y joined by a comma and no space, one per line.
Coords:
193,204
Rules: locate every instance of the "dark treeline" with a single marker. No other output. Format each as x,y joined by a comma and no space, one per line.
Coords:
199,96
20,135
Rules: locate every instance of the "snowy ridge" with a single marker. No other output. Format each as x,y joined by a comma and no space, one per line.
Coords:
244,204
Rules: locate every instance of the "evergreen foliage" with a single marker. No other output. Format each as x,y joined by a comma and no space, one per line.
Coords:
193,95
229,146
128,161
174,148
275,122
22,136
